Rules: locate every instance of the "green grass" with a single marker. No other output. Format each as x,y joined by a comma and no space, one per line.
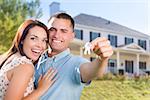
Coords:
117,90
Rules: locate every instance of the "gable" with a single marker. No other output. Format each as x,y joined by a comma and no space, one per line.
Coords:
132,47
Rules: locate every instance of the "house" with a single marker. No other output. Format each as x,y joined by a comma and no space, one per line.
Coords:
131,48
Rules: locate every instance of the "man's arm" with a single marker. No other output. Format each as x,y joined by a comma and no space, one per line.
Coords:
102,48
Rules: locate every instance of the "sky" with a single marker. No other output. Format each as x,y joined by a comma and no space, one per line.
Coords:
134,14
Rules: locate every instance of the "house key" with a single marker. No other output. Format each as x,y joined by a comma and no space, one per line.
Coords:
87,48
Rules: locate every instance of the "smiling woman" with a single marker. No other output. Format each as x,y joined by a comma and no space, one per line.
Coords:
35,43
17,65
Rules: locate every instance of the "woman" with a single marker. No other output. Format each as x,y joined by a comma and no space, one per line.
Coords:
17,64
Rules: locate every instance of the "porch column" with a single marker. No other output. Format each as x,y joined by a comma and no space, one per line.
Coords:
148,63
137,64
118,60
81,51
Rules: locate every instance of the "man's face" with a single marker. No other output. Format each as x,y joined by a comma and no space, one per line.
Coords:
60,34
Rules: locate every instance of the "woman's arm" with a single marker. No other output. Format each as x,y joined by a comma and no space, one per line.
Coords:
20,79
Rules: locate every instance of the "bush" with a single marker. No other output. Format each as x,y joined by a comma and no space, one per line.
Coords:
117,77
107,76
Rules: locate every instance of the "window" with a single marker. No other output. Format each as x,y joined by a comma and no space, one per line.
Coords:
112,65
79,34
94,35
142,43
113,40
142,66
128,40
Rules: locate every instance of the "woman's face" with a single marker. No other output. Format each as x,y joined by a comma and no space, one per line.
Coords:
35,43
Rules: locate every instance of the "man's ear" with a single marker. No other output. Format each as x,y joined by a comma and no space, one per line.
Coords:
73,35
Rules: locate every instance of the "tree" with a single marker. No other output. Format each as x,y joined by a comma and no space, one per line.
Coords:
12,14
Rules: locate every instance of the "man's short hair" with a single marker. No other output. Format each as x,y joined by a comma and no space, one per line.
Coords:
63,16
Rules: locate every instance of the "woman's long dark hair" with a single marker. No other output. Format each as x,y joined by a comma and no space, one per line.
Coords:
21,34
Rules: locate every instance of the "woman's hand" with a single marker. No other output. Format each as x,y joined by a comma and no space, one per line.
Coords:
47,80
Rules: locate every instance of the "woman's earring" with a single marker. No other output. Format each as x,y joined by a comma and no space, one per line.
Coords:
49,50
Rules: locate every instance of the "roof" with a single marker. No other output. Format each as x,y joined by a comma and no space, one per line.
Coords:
98,22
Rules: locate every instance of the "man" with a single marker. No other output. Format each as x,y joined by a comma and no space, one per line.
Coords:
73,71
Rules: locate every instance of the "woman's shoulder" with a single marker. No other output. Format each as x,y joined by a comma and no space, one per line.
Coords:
16,61
23,60
26,68
24,65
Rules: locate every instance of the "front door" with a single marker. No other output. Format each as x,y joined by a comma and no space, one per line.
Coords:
129,66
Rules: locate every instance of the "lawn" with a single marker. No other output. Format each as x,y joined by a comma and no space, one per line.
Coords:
117,90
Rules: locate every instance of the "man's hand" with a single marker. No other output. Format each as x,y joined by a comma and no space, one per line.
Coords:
101,46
